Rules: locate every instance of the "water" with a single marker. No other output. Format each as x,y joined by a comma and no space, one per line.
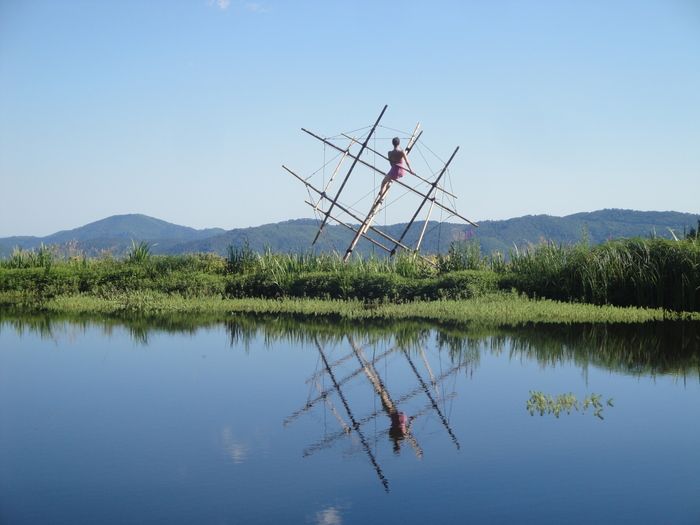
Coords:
223,423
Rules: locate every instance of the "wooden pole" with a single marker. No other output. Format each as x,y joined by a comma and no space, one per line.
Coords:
410,188
414,138
383,393
425,226
355,424
426,198
328,440
333,410
367,223
348,211
337,168
375,230
409,171
355,230
347,176
338,362
430,371
443,419
310,404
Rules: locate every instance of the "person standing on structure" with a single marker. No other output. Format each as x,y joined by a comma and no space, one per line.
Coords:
397,158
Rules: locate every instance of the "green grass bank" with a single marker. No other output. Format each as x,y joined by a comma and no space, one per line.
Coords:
654,278
497,309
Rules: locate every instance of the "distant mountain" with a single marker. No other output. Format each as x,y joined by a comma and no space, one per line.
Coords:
598,226
502,236
114,234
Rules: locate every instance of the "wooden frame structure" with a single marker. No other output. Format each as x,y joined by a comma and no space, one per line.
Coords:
331,207
369,368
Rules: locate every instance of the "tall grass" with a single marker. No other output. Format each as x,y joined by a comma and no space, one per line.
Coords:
43,257
634,272
139,252
465,255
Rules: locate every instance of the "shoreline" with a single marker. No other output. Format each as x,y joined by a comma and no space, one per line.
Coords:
495,309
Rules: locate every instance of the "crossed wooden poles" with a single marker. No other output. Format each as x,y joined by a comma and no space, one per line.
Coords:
389,404
365,223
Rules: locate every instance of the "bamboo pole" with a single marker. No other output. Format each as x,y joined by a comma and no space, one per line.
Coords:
355,424
331,438
375,206
426,198
312,402
425,226
443,419
356,231
337,168
370,239
347,175
408,170
349,212
338,362
383,393
410,188
414,138
366,224
430,372
333,410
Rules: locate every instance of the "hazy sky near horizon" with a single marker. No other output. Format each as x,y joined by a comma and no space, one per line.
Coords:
186,110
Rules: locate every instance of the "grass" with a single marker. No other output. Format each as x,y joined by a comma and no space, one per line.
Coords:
631,272
577,283
640,349
493,309
542,403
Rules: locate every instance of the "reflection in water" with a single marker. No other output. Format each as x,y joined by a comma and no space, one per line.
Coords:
329,516
238,452
400,425
656,348
384,392
399,428
668,348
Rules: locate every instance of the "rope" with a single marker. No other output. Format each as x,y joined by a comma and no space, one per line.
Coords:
440,231
340,135
406,133
374,163
434,154
324,167
374,399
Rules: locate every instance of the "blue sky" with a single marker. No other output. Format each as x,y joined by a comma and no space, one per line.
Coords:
185,110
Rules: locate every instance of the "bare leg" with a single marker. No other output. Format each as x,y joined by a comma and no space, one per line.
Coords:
384,188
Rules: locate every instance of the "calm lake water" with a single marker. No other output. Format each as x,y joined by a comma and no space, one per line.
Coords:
272,421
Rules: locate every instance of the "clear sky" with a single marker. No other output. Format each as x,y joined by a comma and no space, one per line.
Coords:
185,110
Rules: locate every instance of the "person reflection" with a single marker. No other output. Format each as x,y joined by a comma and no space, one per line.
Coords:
399,428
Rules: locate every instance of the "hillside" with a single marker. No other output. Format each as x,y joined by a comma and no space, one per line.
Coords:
114,234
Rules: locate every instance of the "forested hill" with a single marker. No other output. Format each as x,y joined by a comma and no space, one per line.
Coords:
114,234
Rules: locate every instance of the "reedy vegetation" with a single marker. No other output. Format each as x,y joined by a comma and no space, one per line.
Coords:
638,349
654,273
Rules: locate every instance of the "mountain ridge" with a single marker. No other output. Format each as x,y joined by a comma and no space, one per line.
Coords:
114,234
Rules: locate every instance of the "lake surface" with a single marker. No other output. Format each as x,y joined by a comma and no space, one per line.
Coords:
273,421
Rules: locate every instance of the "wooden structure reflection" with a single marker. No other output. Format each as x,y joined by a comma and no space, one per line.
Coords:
341,399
